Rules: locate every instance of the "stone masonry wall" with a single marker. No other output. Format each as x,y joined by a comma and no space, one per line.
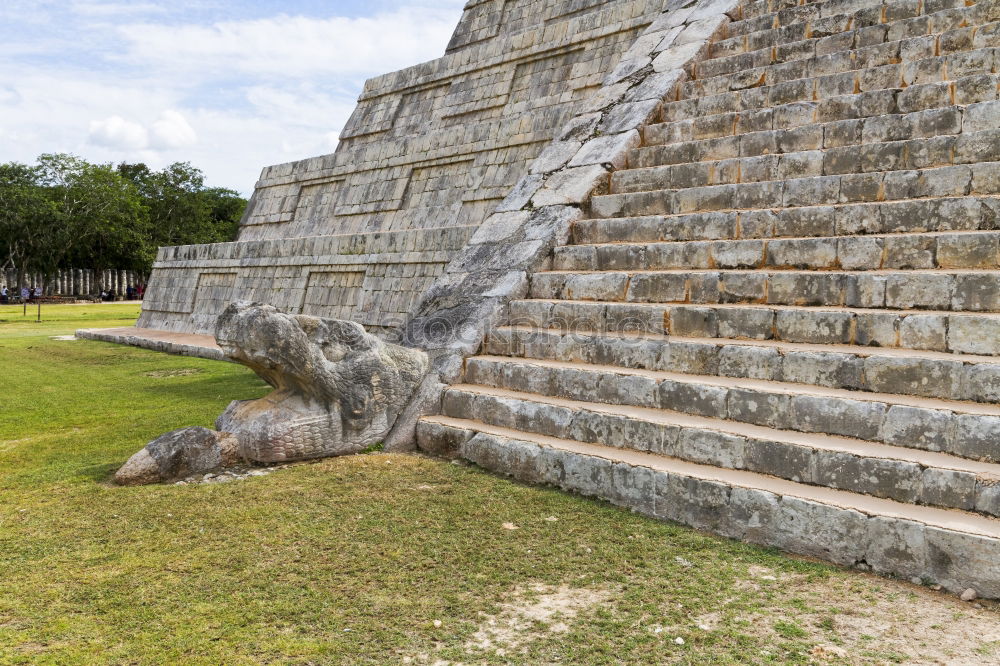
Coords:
434,147
373,279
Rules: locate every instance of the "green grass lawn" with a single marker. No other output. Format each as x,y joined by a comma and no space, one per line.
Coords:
374,558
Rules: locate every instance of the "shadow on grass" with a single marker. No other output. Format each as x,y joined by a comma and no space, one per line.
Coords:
101,474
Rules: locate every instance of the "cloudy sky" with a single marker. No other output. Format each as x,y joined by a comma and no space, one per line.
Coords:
229,85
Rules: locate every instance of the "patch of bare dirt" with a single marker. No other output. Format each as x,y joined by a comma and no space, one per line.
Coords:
182,372
871,620
534,612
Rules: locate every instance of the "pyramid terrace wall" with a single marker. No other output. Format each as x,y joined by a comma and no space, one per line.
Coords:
428,154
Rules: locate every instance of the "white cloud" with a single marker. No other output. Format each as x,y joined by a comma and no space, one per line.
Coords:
172,131
119,134
116,8
9,96
296,46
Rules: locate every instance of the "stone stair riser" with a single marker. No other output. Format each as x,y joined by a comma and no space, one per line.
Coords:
926,377
795,153
922,215
940,332
867,187
867,253
970,291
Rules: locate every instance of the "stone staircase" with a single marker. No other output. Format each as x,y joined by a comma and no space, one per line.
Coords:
782,323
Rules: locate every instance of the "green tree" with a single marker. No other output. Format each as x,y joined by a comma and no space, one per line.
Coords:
65,212
98,217
182,211
25,210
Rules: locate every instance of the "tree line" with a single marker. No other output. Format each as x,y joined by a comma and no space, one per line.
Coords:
64,212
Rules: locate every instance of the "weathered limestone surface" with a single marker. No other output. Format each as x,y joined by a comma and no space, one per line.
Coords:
337,391
178,454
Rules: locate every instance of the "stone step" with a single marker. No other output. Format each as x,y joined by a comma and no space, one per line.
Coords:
976,334
837,40
828,17
830,148
982,178
760,15
879,67
941,214
899,371
927,250
952,548
953,291
962,429
757,110
870,127
888,88
880,470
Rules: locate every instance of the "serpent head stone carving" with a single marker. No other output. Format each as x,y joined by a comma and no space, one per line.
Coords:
337,391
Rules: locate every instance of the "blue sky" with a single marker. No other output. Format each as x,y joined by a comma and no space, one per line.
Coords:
231,86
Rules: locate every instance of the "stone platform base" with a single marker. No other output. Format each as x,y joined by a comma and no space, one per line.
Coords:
181,344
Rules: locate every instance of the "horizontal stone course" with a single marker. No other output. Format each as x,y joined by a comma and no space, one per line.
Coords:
905,329
958,291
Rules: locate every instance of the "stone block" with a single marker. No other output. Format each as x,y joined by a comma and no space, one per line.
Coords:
850,418
750,323
611,150
814,327
914,376
918,331
915,427
711,448
948,488
896,547
750,362
703,400
571,186
820,530
823,369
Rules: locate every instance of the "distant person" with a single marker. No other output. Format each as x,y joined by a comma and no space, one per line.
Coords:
25,294
130,293
4,298
104,295
112,295
141,291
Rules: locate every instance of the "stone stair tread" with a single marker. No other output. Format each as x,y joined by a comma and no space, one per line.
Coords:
787,388
948,519
827,442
